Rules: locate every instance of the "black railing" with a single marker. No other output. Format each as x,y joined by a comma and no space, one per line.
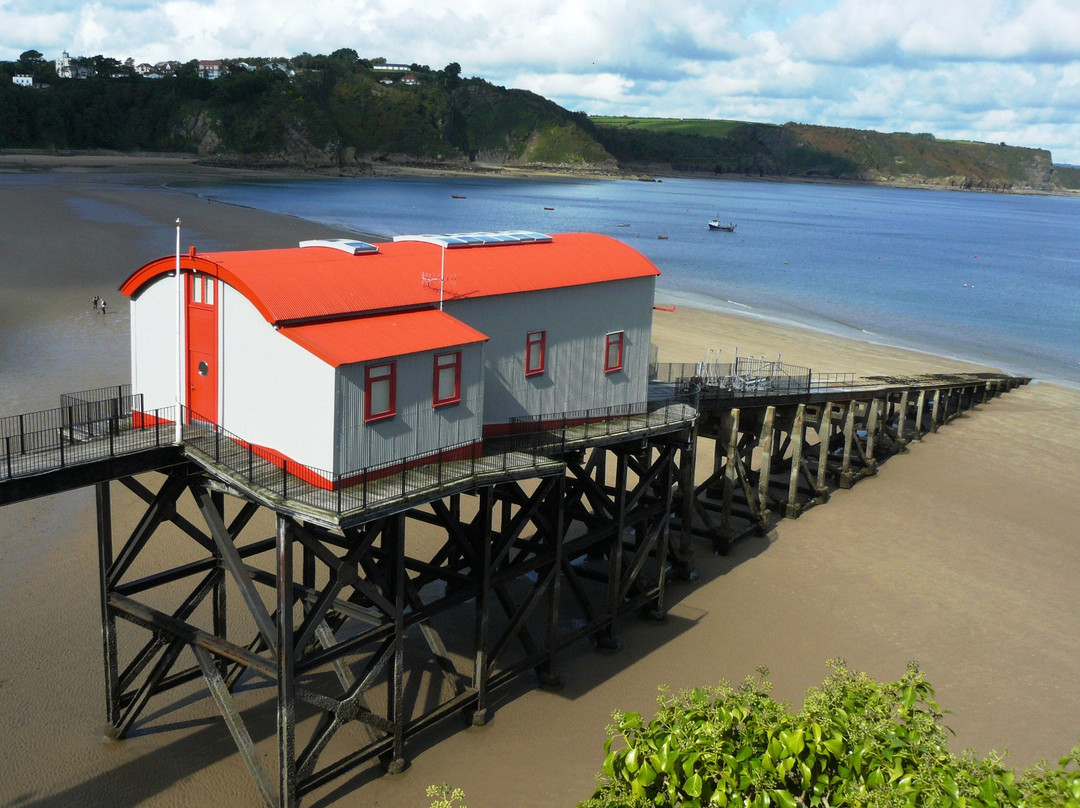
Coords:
560,431
94,426
370,487
746,376
85,428
531,445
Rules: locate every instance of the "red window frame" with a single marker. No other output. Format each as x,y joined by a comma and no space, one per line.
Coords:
613,340
382,373
201,289
443,362
533,340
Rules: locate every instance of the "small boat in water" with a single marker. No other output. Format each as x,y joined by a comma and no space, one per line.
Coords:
716,224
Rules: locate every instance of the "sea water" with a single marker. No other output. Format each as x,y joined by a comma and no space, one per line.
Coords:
993,278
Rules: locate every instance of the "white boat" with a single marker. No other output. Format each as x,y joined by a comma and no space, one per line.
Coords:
716,224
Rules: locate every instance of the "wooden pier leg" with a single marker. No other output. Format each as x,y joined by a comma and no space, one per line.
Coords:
824,434
872,431
483,607
548,674
108,619
935,410
901,421
220,606
658,611
798,433
729,428
683,564
920,408
286,667
849,443
607,639
394,545
765,442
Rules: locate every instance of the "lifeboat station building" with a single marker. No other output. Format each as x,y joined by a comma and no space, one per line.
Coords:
342,355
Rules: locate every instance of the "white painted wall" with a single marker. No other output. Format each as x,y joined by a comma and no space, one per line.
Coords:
153,343
272,391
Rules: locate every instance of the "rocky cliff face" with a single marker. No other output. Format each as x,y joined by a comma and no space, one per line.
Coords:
921,159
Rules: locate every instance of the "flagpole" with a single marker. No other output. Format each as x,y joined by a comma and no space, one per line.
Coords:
179,342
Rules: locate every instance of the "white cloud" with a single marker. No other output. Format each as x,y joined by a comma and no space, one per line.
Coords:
951,68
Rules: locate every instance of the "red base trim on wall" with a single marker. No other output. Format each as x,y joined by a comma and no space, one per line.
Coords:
142,420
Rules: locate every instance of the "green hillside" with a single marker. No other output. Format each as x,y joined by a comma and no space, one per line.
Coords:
323,111
725,147
350,114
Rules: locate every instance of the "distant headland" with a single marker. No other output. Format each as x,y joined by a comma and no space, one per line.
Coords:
343,114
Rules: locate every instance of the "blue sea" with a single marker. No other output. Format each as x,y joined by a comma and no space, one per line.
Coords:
993,278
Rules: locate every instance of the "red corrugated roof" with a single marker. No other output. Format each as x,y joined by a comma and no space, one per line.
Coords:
340,342
317,282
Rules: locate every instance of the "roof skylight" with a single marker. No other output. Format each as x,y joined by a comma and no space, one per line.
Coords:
489,239
351,246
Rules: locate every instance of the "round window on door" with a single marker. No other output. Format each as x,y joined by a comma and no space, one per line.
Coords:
203,368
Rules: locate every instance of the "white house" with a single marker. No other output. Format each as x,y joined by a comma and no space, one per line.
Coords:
22,81
210,68
342,355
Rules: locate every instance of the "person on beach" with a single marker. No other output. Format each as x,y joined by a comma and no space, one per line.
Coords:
102,304
95,301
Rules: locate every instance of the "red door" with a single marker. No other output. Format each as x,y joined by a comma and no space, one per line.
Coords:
202,347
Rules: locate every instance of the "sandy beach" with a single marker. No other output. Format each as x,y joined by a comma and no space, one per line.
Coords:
960,554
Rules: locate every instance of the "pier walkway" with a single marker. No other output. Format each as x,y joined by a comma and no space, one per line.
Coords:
93,437
784,437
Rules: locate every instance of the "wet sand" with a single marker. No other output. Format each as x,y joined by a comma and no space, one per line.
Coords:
960,554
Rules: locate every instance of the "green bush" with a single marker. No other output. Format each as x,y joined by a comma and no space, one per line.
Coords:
855,742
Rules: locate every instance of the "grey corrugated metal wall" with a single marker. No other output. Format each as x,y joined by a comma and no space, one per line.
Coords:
576,320
418,427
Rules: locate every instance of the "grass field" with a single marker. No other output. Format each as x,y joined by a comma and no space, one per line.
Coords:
686,126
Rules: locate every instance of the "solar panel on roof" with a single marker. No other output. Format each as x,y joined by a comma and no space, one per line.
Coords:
451,240
351,246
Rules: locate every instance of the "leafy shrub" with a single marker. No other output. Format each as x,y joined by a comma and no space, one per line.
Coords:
855,742
445,796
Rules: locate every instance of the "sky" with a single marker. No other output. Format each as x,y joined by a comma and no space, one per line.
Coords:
988,70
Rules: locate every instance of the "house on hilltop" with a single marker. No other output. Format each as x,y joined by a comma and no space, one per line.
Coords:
210,68
342,355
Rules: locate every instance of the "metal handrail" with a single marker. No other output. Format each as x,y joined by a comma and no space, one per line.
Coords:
92,426
746,376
